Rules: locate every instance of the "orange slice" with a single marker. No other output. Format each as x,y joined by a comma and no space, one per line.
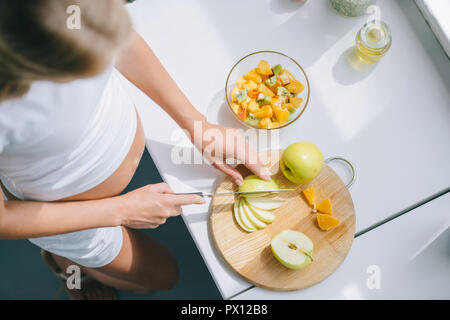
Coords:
324,207
309,195
326,221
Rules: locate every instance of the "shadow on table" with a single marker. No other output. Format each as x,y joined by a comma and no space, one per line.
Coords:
311,36
350,69
285,6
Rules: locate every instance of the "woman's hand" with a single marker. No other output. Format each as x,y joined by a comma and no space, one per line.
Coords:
150,206
219,143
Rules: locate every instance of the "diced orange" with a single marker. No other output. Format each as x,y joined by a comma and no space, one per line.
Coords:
274,124
276,102
264,90
243,114
296,102
253,106
253,94
264,68
326,222
249,85
253,75
295,86
281,114
309,195
285,77
324,207
289,106
264,112
233,93
235,107
241,82
265,123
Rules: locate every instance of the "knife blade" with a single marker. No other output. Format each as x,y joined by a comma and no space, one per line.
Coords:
210,195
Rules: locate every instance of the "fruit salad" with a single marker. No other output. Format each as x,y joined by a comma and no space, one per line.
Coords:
266,96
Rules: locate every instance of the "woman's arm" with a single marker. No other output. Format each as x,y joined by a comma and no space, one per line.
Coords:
28,219
138,64
146,207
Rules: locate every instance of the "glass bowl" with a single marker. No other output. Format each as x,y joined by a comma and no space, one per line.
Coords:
250,62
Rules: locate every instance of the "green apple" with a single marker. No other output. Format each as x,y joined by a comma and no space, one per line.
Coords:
238,218
263,215
292,249
254,183
301,162
245,221
264,203
251,217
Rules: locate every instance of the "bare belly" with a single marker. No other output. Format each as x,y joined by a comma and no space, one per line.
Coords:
118,181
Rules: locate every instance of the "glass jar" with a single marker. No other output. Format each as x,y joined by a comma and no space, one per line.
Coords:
351,8
373,41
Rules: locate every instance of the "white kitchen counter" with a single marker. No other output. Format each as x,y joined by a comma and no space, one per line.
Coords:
407,258
392,121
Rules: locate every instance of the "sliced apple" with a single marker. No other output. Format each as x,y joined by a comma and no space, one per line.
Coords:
238,218
263,215
244,219
264,203
253,219
292,249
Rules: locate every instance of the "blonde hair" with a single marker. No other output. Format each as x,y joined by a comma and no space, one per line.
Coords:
36,44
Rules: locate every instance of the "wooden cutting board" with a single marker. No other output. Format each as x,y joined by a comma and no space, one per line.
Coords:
250,255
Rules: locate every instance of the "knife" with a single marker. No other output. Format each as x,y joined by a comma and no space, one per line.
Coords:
210,195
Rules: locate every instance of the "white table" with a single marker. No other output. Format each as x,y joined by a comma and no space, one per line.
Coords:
392,123
410,256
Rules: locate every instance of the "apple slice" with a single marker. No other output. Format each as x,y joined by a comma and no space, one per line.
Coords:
292,249
254,220
244,219
264,203
238,218
263,215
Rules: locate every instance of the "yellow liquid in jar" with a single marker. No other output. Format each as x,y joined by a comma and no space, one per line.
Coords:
373,41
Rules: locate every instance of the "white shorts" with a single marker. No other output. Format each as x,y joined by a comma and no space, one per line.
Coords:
92,248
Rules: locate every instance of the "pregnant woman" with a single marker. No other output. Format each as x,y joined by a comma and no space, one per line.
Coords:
71,140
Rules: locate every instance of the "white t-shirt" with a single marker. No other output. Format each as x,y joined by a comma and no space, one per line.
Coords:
62,139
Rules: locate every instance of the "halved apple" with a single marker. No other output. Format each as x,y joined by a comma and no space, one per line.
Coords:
254,220
264,203
292,249
238,218
254,183
263,215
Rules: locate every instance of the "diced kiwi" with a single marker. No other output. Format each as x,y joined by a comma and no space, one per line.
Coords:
271,81
277,69
241,95
251,120
282,91
263,99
